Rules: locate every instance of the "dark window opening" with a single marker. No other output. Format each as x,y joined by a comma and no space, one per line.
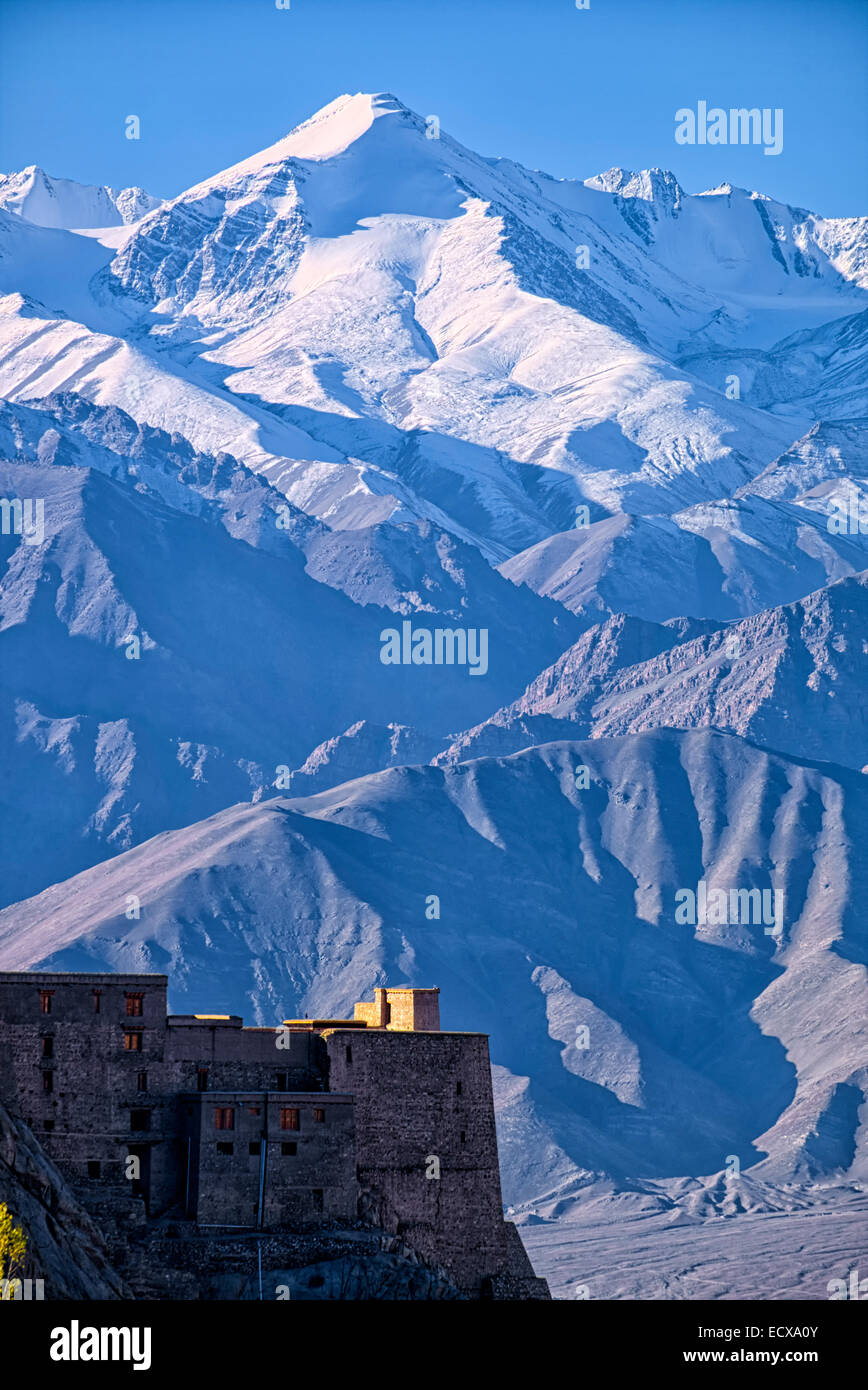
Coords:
96,1000
141,1081
48,1047
254,1148
289,1150
48,1081
135,1005
92,1168
289,1119
458,1089
349,1054
224,1148
140,1120
254,1110
48,1126
463,1137
224,1117
317,1195
281,1081
319,1117
202,1079
45,1000
132,1042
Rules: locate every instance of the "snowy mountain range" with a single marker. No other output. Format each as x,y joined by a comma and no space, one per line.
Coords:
368,380
47,202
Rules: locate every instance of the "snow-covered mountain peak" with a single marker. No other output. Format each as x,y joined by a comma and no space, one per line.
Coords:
338,125
651,185
330,132
725,190
63,204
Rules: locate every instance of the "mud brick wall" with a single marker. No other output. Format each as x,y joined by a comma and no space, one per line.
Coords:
108,1102
420,1096
94,1078
242,1059
314,1182
408,1009
417,1009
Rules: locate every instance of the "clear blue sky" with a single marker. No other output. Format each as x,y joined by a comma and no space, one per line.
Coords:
569,91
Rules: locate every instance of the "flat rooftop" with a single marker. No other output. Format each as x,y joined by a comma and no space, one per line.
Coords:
77,977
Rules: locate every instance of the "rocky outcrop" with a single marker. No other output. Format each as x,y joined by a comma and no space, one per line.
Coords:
64,1247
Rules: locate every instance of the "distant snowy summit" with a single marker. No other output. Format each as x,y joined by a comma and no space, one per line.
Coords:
64,204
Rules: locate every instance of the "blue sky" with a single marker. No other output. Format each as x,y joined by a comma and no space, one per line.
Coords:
569,91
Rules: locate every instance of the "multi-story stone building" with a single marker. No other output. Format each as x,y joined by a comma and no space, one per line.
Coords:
382,1117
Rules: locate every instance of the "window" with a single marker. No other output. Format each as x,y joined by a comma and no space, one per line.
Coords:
141,1081
48,1047
254,1110
135,1005
132,1042
202,1079
458,1089
48,1081
289,1119
254,1149
317,1194
48,1126
349,1054
92,1168
319,1117
45,1000
289,1150
225,1148
463,1137
97,994
281,1081
140,1120
224,1117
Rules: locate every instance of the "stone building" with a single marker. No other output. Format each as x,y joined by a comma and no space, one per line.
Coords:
382,1117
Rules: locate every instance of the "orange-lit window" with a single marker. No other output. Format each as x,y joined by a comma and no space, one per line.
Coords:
45,1000
319,1117
132,1042
289,1119
134,1005
224,1117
